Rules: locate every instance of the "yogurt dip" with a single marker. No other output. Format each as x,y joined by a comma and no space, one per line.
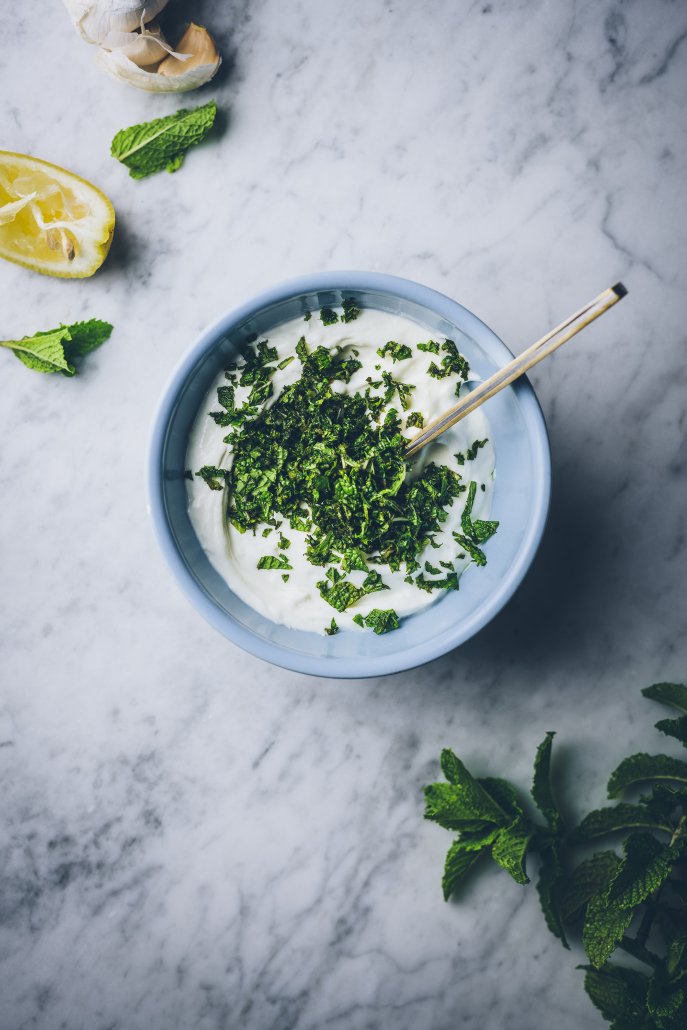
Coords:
293,598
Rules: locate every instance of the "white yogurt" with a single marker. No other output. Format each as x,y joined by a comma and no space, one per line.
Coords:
297,603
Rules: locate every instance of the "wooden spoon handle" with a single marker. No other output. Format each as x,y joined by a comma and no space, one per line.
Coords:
518,366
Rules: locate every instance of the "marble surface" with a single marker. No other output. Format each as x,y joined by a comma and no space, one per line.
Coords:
191,838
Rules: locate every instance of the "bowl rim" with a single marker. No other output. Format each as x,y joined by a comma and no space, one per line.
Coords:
329,665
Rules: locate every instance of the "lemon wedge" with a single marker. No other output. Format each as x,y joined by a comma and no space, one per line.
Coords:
51,220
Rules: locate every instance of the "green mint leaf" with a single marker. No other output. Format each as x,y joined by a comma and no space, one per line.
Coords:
640,767
85,337
590,878
213,477
460,858
162,143
549,885
503,794
43,352
509,849
332,629
676,959
373,582
618,993
328,316
359,620
55,350
350,310
621,817
471,452
462,802
673,694
340,595
477,555
415,420
542,792
430,346
382,621
604,925
396,351
662,999
674,728
646,865
270,561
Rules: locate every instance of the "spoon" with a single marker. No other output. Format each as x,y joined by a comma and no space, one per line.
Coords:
517,367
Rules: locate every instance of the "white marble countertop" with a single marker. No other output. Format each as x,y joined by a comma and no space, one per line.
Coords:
190,837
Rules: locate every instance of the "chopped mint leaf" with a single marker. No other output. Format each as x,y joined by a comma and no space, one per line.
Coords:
471,452
284,542
350,310
55,350
415,419
396,351
359,620
432,346
270,561
477,555
339,595
373,582
332,629
453,363
214,477
382,621
307,316
285,577
162,143
432,569
302,350
328,316
286,361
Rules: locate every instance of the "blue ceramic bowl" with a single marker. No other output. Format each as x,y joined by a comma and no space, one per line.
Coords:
521,494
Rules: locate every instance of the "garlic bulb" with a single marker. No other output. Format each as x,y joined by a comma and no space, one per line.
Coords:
93,19
133,49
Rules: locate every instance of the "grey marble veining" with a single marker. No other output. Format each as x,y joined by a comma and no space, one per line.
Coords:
193,838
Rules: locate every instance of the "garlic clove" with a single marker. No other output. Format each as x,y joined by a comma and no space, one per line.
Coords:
93,19
144,48
199,46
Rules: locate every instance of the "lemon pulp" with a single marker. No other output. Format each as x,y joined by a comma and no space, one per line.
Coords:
51,220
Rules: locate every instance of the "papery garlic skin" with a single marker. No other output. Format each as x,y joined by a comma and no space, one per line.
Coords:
94,19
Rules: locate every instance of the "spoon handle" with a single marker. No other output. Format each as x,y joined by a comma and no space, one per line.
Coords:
517,367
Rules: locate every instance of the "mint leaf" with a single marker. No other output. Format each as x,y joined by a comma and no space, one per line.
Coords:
350,310
621,817
662,1000
54,350
340,595
541,785
461,802
332,629
604,925
461,857
162,143
503,794
509,850
618,993
640,767
396,351
270,561
85,337
590,878
549,887
646,865
674,728
380,620
212,476
673,694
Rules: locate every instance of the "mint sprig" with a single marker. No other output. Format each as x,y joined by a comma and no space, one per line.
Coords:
56,350
644,887
162,143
